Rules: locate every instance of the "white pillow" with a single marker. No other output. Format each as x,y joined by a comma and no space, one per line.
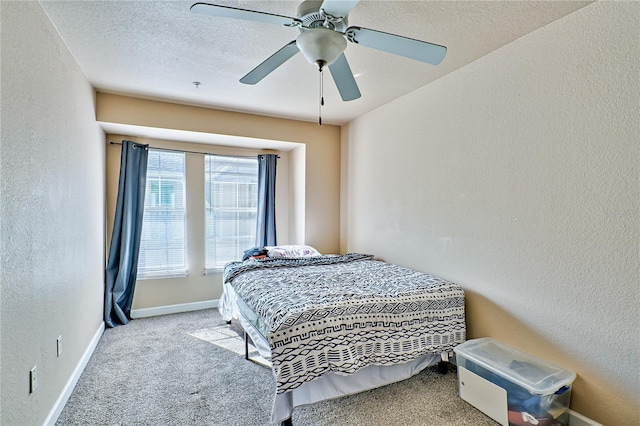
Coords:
293,251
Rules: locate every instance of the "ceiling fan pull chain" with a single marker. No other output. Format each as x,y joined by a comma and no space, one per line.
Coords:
321,97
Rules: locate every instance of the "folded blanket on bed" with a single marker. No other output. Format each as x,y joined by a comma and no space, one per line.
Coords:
341,313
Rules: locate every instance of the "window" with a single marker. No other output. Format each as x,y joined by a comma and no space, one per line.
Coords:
163,243
231,199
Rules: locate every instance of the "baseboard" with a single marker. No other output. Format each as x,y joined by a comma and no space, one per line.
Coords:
71,383
173,309
577,419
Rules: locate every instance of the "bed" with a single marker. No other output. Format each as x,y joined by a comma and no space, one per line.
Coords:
334,325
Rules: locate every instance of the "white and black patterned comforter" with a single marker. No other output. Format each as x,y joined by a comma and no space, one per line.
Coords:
341,313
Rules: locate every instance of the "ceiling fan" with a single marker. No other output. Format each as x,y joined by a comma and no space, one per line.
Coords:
323,37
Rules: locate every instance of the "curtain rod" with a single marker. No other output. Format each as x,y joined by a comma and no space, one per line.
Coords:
193,152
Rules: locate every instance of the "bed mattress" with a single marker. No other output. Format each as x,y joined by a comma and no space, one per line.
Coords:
339,314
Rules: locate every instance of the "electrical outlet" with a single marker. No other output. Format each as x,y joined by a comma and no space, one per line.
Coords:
33,379
59,346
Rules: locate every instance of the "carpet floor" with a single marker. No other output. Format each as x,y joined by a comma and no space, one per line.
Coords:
189,369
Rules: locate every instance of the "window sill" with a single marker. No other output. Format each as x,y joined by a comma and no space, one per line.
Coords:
213,271
163,275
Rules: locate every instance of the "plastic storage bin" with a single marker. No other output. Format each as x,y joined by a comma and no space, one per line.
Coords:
512,387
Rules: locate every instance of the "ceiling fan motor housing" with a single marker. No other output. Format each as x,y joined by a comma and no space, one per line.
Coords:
309,13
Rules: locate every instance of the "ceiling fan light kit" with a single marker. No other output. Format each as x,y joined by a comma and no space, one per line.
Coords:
321,46
323,39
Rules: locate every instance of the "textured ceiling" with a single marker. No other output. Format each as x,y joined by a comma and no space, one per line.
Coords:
156,49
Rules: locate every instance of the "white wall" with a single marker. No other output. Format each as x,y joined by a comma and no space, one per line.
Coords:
52,213
518,177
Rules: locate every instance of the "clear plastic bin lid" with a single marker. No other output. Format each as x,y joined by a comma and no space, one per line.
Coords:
535,375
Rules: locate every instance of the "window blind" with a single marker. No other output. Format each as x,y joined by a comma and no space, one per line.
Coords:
163,242
231,199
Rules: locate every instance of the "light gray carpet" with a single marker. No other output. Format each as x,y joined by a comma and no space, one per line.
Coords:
174,370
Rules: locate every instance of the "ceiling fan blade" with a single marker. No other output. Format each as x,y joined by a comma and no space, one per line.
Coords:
339,8
248,15
398,45
271,63
342,75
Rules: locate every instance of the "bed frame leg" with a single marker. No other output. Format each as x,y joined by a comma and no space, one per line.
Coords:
443,367
229,322
287,422
246,346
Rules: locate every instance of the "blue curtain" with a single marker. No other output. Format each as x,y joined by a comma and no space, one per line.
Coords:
122,266
266,226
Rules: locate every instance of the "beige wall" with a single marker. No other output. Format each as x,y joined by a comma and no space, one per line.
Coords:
196,287
308,181
321,149
518,177
52,203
